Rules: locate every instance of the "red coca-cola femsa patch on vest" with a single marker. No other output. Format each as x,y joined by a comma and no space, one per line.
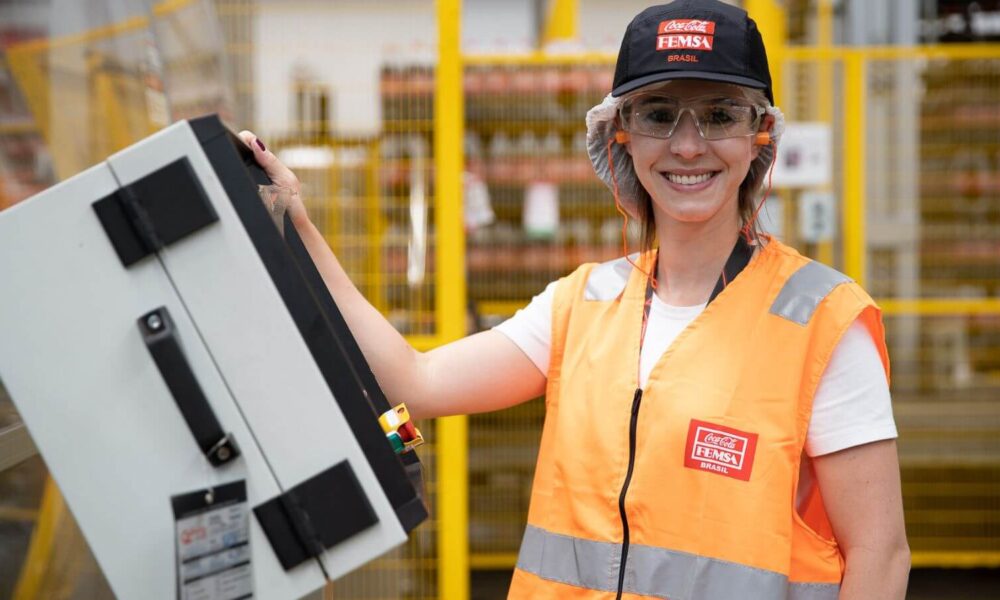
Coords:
720,450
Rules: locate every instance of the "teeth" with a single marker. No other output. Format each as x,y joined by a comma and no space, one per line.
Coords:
689,179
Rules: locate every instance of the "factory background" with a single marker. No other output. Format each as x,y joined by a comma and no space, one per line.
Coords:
441,146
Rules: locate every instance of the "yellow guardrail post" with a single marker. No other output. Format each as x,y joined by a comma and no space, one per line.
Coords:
332,217
824,72
449,285
375,286
933,307
31,581
772,21
561,23
854,166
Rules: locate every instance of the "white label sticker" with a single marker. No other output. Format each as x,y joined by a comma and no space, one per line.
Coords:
816,217
213,544
805,156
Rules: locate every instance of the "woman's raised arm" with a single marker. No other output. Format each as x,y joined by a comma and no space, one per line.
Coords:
480,373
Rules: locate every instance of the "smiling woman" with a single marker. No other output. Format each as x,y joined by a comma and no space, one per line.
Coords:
692,169
724,111
717,359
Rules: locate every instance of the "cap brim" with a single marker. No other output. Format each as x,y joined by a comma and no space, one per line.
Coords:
670,75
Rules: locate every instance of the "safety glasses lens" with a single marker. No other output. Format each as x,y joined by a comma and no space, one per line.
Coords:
718,118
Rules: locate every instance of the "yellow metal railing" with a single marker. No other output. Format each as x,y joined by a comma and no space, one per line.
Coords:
943,347
562,22
452,432
458,466
853,164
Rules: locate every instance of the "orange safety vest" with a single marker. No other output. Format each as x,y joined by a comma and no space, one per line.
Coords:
691,482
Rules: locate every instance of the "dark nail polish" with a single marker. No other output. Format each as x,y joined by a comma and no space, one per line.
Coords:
260,145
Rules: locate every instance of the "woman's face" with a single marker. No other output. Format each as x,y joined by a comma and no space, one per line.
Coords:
691,179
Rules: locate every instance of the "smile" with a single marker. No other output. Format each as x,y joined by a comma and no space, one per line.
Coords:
690,179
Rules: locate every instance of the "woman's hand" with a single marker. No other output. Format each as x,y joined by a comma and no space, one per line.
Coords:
281,175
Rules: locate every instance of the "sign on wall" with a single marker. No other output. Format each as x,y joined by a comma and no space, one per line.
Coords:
805,155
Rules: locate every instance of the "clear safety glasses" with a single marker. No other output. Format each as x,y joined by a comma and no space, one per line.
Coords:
716,118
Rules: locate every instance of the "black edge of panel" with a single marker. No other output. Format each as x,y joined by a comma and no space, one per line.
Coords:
332,312
233,162
207,127
210,127
414,512
411,511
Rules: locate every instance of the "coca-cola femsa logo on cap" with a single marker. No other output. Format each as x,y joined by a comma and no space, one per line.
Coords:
685,34
718,449
687,26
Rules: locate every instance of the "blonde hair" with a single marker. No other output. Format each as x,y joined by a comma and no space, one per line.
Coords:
750,194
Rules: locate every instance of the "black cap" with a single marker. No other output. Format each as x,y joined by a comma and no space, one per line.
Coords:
692,39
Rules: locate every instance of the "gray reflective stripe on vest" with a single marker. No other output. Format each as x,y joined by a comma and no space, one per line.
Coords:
656,572
804,290
813,591
583,563
607,280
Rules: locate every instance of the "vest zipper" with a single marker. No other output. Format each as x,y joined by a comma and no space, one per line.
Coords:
636,401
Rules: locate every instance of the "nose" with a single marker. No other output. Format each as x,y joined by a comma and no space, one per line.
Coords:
686,140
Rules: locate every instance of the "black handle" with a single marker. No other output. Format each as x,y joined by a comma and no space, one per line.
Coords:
160,335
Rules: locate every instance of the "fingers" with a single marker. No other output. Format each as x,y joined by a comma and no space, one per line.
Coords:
275,169
247,136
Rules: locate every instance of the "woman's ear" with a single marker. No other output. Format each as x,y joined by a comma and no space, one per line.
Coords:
766,125
622,137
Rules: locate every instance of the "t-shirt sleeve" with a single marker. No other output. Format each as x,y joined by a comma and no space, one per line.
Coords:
531,328
852,405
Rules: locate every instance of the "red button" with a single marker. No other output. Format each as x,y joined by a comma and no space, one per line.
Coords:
407,431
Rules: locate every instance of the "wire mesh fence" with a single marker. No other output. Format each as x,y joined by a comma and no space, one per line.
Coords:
358,132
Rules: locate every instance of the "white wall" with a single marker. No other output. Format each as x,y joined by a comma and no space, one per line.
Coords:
344,44
491,26
602,22
25,15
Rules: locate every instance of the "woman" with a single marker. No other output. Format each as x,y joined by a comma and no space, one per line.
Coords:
718,421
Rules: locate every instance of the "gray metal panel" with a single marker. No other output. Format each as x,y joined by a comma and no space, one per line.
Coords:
83,381
804,290
77,369
256,346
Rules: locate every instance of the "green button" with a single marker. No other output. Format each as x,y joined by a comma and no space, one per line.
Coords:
395,441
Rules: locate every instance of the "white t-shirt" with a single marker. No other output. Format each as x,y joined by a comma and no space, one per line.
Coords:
851,406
